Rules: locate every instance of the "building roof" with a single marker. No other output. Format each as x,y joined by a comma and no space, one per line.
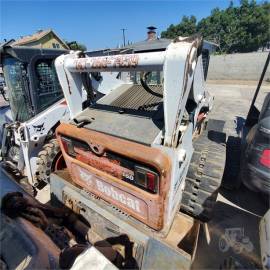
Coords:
35,37
158,44
153,44
161,44
32,38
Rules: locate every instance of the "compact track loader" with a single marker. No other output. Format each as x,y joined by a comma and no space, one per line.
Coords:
134,158
145,148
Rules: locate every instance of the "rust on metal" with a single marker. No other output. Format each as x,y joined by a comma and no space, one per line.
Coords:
50,219
104,62
47,251
110,192
157,204
80,63
111,167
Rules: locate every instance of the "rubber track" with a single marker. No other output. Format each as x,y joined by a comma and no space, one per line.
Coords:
204,175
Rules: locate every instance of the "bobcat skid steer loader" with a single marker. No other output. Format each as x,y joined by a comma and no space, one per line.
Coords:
145,147
30,151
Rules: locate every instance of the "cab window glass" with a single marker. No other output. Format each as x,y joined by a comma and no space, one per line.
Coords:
48,87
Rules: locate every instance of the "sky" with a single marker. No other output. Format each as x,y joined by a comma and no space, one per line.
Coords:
97,24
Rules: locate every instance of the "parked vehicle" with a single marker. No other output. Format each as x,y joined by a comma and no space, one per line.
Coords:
30,151
37,104
255,158
142,152
134,157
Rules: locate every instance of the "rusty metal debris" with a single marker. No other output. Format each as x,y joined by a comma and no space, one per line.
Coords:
52,220
67,231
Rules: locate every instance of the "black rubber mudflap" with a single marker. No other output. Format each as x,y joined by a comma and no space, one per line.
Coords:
231,178
205,172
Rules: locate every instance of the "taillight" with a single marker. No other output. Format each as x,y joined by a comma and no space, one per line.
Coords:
265,158
68,146
146,179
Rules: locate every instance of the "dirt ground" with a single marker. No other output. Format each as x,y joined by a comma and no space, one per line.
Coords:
237,212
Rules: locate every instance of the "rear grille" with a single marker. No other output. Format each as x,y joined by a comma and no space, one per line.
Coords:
136,96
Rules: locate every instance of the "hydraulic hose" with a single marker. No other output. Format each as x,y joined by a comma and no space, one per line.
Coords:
143,79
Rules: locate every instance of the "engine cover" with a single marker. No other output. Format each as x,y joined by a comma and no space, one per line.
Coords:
111,180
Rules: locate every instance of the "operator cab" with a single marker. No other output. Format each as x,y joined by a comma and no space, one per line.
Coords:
31,80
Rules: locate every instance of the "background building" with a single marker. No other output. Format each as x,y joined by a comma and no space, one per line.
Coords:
42,39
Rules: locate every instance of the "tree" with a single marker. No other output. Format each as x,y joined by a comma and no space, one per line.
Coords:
253,30
236,29
186,27
221,27
74,45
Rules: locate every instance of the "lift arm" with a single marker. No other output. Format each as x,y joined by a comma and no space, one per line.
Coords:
178,64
